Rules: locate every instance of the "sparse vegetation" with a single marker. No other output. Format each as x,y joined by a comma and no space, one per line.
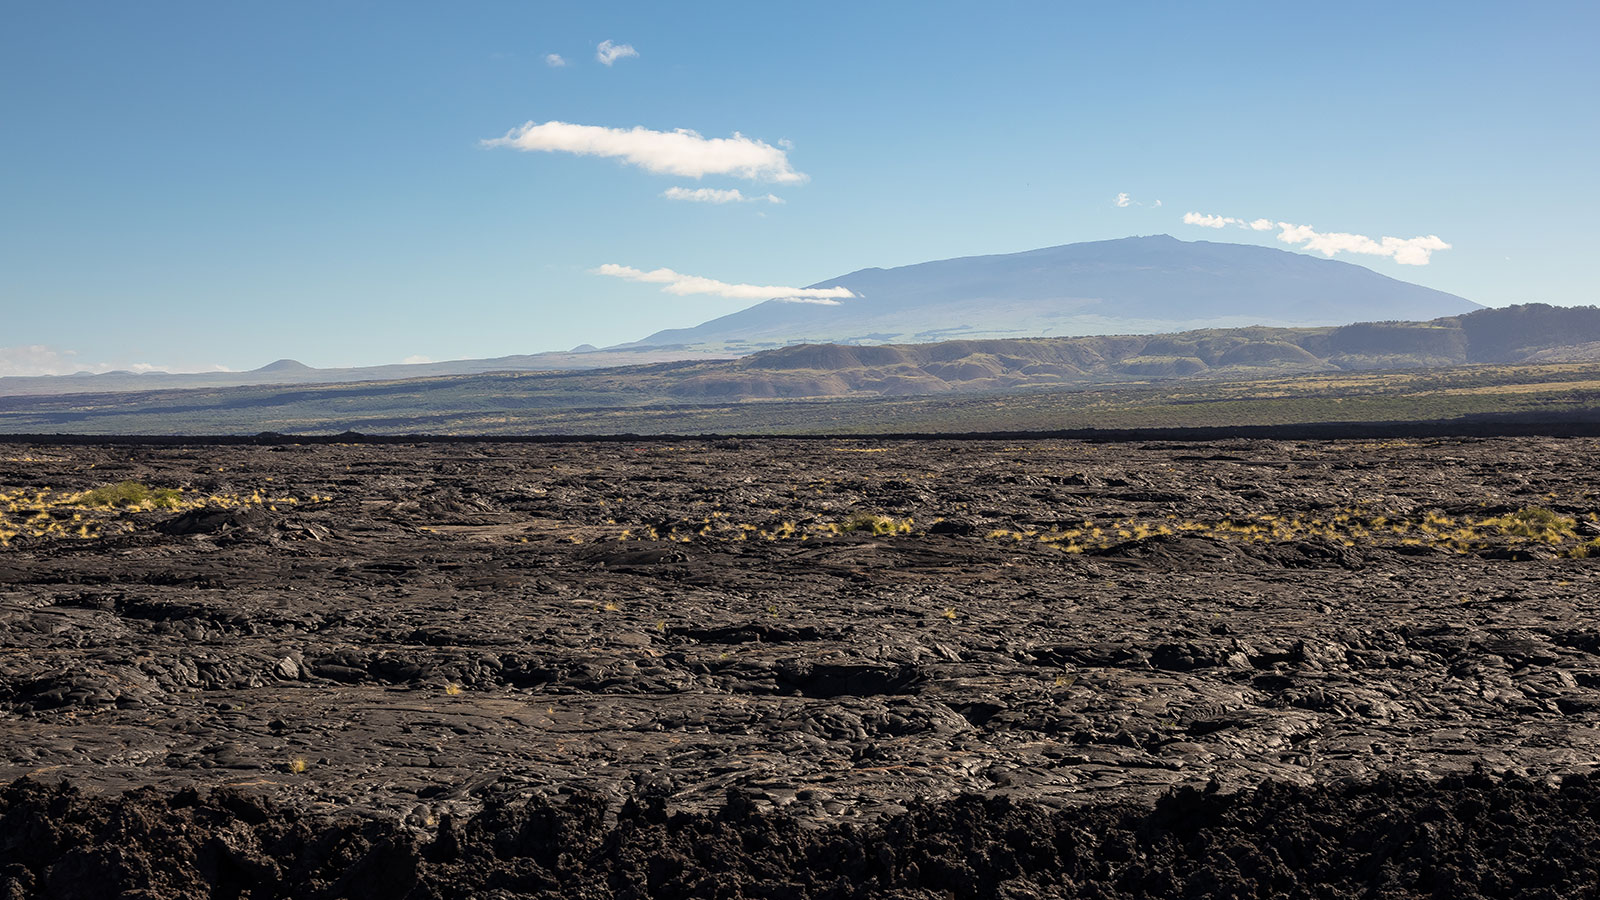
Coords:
1536,524
1587,550
110,509
873,523
132,495
1350,527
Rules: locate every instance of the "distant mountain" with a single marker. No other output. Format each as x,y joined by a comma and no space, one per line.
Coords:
1137,285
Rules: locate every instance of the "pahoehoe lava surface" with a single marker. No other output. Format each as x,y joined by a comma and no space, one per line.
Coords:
802,668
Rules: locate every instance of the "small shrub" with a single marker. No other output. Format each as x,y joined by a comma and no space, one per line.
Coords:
1591,550
1538,515
130,494
1536,524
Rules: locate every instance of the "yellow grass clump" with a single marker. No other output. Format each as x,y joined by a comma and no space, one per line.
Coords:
110,508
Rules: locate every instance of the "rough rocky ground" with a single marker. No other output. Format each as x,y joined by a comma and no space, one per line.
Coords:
1464,837
431,635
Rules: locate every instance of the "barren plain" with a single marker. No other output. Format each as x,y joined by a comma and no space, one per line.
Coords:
875,668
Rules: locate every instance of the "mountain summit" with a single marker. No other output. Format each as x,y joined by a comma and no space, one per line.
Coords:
1136,285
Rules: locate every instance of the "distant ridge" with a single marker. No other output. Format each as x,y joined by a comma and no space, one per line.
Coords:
1452,360
1531,333
1136,285
289,371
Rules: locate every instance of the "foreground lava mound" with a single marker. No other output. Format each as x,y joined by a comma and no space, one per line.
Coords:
801,668
1464,837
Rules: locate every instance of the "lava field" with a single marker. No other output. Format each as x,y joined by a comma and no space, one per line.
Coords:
801,668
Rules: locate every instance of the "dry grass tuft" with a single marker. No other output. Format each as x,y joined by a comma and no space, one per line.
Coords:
131,495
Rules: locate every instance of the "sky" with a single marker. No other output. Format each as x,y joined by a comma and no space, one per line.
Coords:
195,186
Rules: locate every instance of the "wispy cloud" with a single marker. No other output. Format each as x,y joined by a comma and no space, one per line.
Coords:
814,301
1417,251
682,285
554,60
608,52
39,359
416,359
1123,201
681,152
715,195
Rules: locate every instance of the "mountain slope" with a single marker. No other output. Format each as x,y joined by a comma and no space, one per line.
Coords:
1138,285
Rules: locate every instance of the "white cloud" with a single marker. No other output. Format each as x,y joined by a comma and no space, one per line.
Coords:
1122,200
1417,251
680,152
682,285
416,359
608,52
554,60
715,195
1208,221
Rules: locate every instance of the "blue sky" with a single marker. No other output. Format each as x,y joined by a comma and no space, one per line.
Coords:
194,185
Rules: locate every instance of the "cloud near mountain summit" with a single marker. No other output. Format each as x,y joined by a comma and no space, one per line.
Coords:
682,285
1417,251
